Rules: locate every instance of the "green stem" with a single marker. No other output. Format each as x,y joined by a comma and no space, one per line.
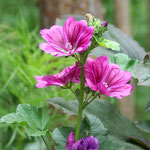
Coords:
89,97
83,57
20,142
91,100
45,142
73,93
80,110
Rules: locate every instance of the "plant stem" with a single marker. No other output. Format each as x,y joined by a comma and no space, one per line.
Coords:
81,98
45,142
91,100
80,110
73,93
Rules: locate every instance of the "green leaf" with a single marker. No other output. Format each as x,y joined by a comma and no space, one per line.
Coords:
143,74
63,105
144,125
97,128
90,126
118,125
147,108
93,127
35,118
35,132
144,143
113,143
12,118
60,136
108,43
125,63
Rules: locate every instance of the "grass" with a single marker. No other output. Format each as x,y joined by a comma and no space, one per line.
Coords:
20,60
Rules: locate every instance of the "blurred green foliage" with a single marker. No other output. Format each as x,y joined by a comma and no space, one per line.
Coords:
139,29
20,60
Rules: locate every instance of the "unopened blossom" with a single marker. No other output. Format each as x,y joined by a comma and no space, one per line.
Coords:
71,73
105,23
73,37
87,143
70,141
107,78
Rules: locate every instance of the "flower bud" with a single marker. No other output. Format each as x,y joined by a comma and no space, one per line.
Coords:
105,23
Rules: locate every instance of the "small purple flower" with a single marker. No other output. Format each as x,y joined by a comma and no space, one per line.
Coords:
87,143
73,37
71,73
105,23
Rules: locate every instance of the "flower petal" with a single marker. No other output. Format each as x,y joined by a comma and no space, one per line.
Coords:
53,35
95,71
71,73
116,76
68,28
120,91
56,44
87,143
52,49
48,80
77,33
70,141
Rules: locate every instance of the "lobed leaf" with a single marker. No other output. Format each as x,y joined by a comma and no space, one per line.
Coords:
147,108
108,43
60,136
93,127
125,63
35,118
63,105
117,124
144,125
143,74
12,118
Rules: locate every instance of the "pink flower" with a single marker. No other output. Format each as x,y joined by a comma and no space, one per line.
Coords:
71,73
87,143
73,37
107,78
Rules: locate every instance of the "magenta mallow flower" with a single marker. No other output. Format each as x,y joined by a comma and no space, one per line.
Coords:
73,37
71,73
107,78
87,143
105,23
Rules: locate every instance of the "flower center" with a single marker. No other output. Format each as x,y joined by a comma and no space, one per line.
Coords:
106,85
68,46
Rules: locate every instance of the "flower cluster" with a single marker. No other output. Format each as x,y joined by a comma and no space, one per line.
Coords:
98,75
87,143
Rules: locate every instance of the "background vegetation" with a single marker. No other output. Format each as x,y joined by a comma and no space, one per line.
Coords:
21,59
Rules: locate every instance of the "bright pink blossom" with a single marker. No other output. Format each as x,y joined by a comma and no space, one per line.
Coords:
73,37
107,78
71,73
